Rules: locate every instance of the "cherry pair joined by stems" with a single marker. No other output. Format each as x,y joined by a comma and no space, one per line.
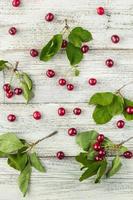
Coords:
62,111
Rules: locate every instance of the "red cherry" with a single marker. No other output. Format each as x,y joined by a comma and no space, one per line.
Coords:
37,115
92,81
97,158
6,87
34,53
129,110
12,31
64,44
109,63
128,154
61,111
9,94
100,138
77,111
16,3
120,124
60,155
97,146
50,73
115,38
11,118
49,17
62,82
100,11
101,153
72,132
70,87
18,91
84,48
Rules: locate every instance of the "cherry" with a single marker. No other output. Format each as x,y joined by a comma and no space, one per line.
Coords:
50,73
100,11
61,111
9,94
128,154
100,138
6,87
109,63
60,155
77,111
97,158
16,3
62,82
92,81
18,91
115,38
97,146
70,87
84,48
12,31
34,53
72,132
64,44
11,118
120,124
37,115
101,153
49,17
129,110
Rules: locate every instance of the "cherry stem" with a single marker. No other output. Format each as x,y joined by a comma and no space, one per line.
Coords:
125,141
119,90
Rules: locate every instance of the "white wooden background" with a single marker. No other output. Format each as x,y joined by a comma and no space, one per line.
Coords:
61,180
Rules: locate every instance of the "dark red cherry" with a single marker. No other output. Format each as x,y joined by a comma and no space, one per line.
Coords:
37,115
97,146
120,124
100,11
62,82
84,48
6,87
9,94
128,154
49,17
109,63
11,118
12,31
50,73
18,91
64,44
61,111
60,155
129,110
72,132
115,39
100,138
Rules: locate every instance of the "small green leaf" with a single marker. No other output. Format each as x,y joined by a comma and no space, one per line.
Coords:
27,80
18,161
3,64
116,165
9,143
74,54
26,92
52,47
102,99
86,139
101,171
82,158
101,115
24,179
35,162
76,72
122,149
126,104
116,107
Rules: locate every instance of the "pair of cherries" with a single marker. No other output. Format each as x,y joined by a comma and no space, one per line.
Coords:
10,92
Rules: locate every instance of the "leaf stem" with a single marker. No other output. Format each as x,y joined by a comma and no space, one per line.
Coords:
125,141
119,90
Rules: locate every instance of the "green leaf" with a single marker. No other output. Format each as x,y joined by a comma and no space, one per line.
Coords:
24,179
122,149
116,165
3,155
52,47
102,99
9,143
79,35
91,153
76,72
101,115
74,54
82,158
3,64
126,104
27,80
101,171
116,107
86,139
35,162
26,92
18,161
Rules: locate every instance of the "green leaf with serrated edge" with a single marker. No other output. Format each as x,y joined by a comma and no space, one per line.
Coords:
86,139
116,165
27,80
26,92
101,115
103,98
9,143
101,171
126,104
52,48
3,64
18,161
74,54
82,158
116,107
36,163
79,35
24,179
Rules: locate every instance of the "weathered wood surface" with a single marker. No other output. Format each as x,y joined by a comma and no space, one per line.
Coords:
61,180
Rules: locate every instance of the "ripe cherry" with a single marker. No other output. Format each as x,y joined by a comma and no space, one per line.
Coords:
50,73
60,155
34,53
100,11
128,154
37,115
109,63
62,82
101,153
12,31
84,48
72,132
16,3
11,118
9,94
115,39
18,91
64,44
61,111
129,110
97,158
120,124
49,17
6,87
100,138
92,81
77,111
97,146
70,87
